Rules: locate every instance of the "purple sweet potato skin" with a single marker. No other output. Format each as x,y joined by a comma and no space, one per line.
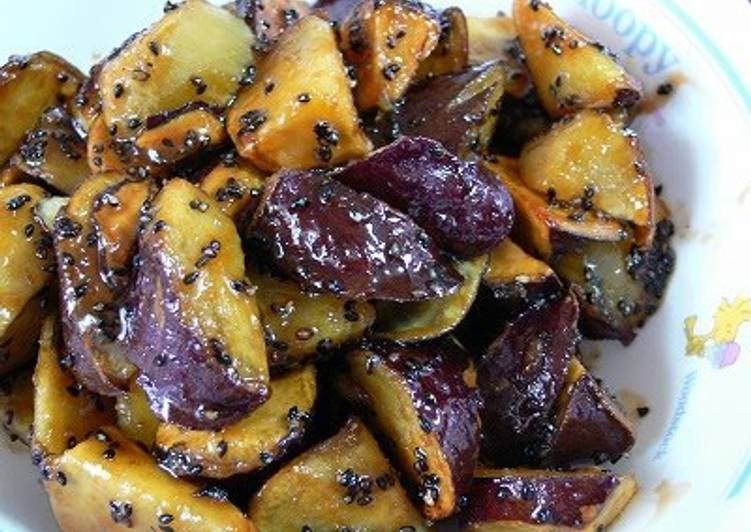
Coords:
179,374
461,205
590,428
434,373
326,236
560,501
520,378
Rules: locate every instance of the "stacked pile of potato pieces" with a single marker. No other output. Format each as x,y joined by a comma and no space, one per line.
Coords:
324,268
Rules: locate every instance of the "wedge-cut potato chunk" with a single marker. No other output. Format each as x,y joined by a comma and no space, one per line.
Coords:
525,500
301,92
619,285
196,52
135,418
195,332
17,406
423,320
28,86
520,377
182,135
89,306
589,425
591,162
116,217
518,280
108,483
270,18
385,42
18,342
298,324
236,185
64,413
327,237
570,70
422,399
490,38
450,56
458,110
54,152
24,271
262,438
543,226
343,483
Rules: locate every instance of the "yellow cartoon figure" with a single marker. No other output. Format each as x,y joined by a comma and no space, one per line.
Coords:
720,340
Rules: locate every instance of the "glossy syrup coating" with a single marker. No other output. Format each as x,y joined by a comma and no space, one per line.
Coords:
461,205
328,237
530,500
194,330
521,376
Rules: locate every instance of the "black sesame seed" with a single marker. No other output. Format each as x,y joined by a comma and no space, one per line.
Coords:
265,457
28,231
118,90
61,478
134,123
198,205
170,6
253,120
303,97
304,333
16,203
665,89
213,492
269,88
190,278
72,442
222,448
165,519
199,84
642,411
390,71
121,512
109,453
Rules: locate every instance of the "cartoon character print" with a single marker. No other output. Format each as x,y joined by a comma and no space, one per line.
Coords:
719,343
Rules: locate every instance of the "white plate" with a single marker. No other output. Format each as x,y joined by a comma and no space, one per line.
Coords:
693,453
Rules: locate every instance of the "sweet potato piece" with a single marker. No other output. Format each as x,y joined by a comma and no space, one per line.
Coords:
18,343
116,216
423,401
521,376
64,414
109,483
344,482
236,186
518,280
589,425
385,42
269,18
160,70
591,162
17,406
264,437
570,70
545,227
461,205
490,38
423,320
28,86
618,284
458,110
135,418
450,56
182,135
54,152
326,236
527,501
89,306
195,332
24,272
301,92
299,323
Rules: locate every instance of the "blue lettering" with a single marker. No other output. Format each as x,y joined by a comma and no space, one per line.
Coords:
624,22
665,60
609,6
643,43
